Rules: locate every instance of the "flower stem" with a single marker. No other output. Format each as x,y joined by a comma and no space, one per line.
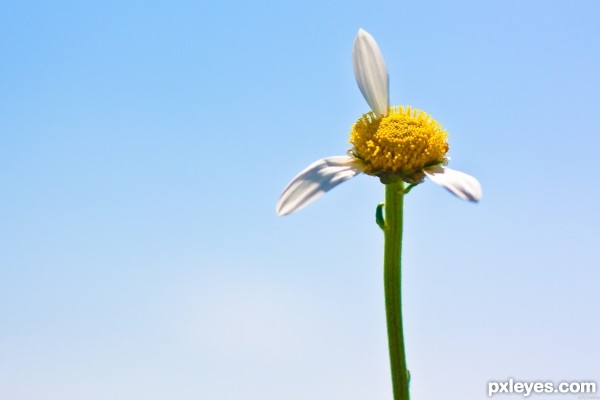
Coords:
394,196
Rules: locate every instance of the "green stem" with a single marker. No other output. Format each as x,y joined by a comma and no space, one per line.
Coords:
394,196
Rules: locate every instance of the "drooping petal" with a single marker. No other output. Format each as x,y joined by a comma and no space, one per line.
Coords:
317,179
458,183
371,73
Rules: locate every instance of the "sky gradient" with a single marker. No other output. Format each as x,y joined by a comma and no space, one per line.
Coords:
143,146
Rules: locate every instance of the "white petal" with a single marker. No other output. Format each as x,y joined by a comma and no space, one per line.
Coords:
370,72
458,183
317,179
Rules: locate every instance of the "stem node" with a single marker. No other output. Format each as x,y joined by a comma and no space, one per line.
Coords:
379,216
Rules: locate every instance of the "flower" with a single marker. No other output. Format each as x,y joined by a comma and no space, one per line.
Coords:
391,143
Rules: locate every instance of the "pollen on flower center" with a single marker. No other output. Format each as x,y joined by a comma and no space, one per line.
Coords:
402,143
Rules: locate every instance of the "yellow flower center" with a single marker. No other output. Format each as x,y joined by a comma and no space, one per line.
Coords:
402,143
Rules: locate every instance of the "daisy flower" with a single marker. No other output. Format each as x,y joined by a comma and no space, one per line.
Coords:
398,143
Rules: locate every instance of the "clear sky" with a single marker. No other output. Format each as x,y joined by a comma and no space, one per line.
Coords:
143,145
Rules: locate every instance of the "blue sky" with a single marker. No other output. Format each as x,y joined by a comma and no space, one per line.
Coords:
143,147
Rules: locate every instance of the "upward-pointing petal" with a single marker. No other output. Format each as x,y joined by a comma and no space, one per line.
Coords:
370,72
317,179
458,183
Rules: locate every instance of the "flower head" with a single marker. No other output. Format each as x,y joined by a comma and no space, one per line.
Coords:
402,143
388,142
